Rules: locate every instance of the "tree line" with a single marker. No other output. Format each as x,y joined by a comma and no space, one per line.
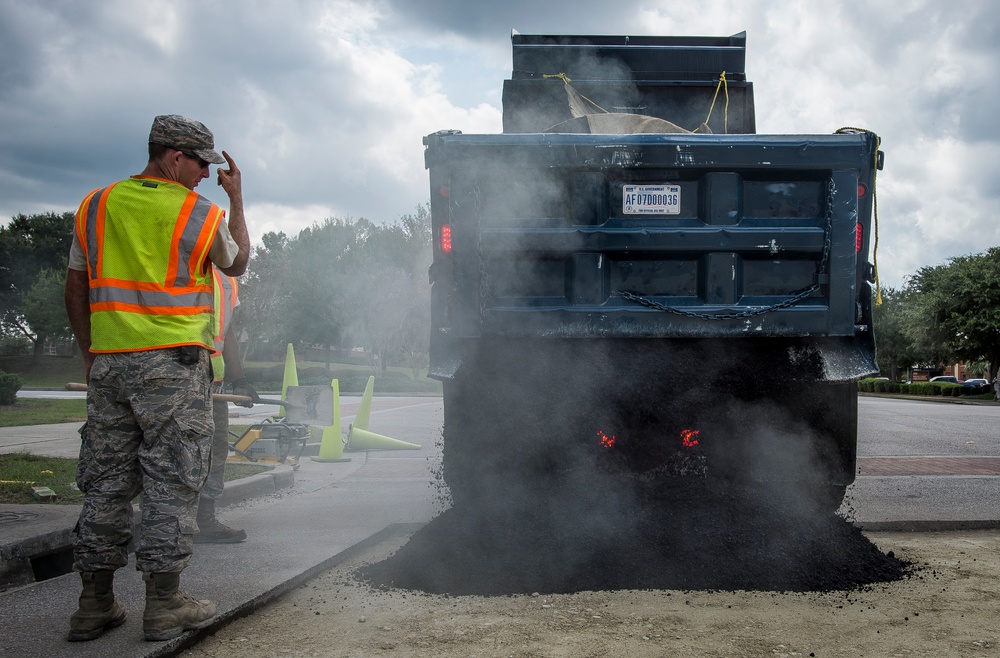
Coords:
338,284
33,253
947,313
344,283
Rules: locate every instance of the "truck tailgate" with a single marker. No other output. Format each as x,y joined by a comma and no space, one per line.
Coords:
658,235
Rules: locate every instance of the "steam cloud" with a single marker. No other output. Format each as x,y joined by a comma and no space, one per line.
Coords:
539,508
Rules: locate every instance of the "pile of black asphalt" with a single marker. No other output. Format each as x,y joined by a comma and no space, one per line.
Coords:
690,535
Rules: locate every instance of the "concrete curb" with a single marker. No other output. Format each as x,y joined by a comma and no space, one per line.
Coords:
929,398
926,526
262,484
38,543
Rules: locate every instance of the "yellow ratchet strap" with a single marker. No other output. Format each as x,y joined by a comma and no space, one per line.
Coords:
723,84
566,80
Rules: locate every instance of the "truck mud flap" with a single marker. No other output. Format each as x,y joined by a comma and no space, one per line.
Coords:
848,358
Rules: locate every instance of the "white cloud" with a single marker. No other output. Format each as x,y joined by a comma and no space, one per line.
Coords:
273,218
323,103
934,190
159,21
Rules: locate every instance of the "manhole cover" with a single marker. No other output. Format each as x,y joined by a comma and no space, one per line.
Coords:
7,518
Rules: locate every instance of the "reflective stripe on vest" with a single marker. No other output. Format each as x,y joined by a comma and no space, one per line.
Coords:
226,299
146,242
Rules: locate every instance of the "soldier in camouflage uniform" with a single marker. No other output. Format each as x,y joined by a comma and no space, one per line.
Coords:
169,402
141,322
227,365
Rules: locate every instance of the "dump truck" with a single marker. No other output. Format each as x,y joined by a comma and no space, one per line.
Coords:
630,285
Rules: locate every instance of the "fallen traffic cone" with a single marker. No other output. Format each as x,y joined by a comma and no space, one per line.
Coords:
359,439
365,410
331,447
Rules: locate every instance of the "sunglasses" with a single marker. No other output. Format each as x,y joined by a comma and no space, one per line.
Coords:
201,163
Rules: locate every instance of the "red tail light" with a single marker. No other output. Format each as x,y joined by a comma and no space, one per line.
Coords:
446,238
862,190
689,438
859,236
605,440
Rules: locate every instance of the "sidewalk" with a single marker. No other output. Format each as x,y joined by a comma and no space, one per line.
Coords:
291,536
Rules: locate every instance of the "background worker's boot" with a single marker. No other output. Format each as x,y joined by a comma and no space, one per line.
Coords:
211,530
98,611
169,612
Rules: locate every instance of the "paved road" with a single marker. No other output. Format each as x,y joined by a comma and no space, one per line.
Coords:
62,440
897,427
926,461
918,460
887,427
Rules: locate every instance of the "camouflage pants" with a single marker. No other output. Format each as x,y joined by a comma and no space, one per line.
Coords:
220,450
149,430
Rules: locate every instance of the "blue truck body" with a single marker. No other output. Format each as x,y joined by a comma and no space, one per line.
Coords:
646,286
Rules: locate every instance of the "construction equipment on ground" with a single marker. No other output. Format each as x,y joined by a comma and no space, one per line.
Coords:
282,440
279,440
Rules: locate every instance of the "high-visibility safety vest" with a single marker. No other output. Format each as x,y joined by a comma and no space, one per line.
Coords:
226,300
146,241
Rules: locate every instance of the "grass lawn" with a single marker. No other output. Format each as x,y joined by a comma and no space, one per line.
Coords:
20,471
49,372
42,411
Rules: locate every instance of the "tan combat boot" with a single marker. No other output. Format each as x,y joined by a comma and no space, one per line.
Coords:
98,611
211,530
169,612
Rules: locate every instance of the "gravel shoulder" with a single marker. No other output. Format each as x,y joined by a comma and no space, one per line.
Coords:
947,605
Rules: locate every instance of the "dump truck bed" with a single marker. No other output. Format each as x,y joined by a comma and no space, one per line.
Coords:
673,78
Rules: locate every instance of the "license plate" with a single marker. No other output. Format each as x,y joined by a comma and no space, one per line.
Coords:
651,199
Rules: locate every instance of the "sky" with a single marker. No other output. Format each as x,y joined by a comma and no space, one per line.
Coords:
323,103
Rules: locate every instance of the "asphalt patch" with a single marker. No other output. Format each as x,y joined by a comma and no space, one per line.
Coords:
690,536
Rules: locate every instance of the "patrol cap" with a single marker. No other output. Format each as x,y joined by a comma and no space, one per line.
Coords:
184,134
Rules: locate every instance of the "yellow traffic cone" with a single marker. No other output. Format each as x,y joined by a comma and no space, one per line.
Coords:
359,439
291,376
331,447
365,410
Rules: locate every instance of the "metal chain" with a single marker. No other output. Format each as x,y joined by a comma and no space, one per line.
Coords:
751,312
